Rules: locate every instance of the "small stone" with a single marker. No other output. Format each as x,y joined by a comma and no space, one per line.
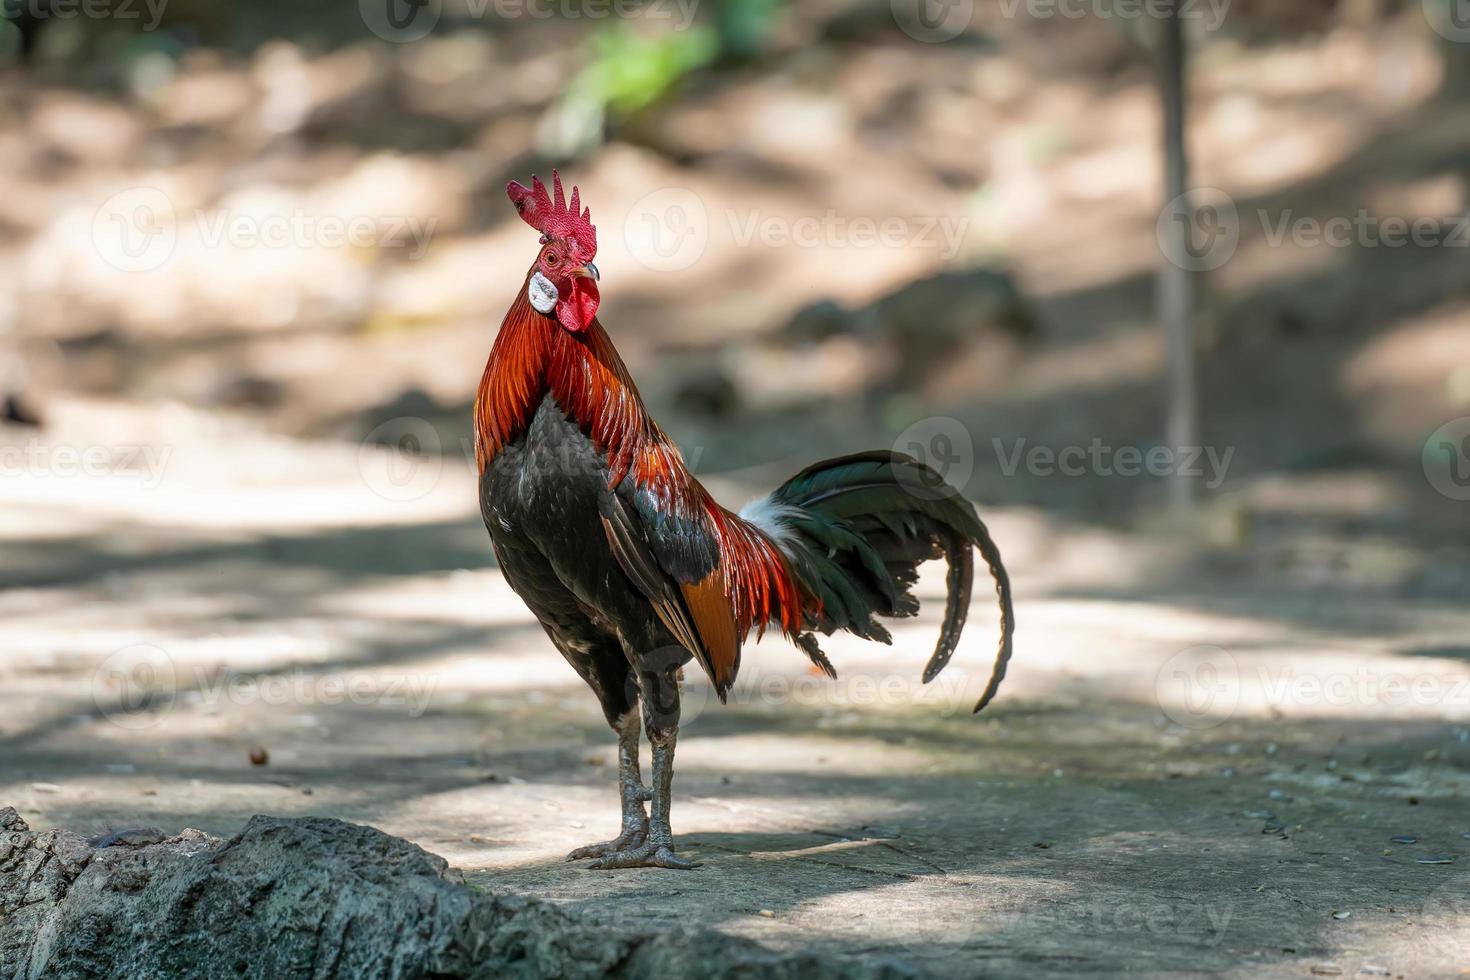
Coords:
1437,859
766,914
1341,915
1277,794
1373,970
46,787
259,756
1327,970
1403,839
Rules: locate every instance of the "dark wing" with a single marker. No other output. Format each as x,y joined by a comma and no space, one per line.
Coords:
673,558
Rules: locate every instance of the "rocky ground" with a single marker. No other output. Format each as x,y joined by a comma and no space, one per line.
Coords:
1203,761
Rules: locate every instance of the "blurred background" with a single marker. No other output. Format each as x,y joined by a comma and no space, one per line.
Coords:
820,223
255,253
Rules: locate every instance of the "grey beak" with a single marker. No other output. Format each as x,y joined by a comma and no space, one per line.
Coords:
592,271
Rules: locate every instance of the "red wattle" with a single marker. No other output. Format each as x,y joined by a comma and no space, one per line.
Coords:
578,304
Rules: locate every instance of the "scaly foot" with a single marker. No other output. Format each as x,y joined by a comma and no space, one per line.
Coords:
648,854
631,837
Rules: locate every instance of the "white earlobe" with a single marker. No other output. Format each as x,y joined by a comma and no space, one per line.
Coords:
541,293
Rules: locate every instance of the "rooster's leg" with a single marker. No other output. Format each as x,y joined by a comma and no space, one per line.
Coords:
632,790
661,718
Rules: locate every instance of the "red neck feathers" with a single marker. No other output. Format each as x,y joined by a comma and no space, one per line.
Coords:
534,356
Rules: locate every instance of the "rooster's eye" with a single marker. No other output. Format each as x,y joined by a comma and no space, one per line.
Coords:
551,257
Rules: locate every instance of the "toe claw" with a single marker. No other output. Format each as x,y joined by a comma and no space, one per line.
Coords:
647,855
628,839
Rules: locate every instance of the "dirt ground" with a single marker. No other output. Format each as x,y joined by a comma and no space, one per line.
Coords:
1194,767
1237,745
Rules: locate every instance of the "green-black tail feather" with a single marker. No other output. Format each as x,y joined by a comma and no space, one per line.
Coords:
856,529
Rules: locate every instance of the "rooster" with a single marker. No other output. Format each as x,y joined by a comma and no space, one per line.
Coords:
631,566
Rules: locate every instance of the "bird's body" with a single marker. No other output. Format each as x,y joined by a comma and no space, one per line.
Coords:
632,567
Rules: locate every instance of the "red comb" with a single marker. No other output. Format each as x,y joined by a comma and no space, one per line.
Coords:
556,218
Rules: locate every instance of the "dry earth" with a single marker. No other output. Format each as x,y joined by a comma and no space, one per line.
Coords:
1195,766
